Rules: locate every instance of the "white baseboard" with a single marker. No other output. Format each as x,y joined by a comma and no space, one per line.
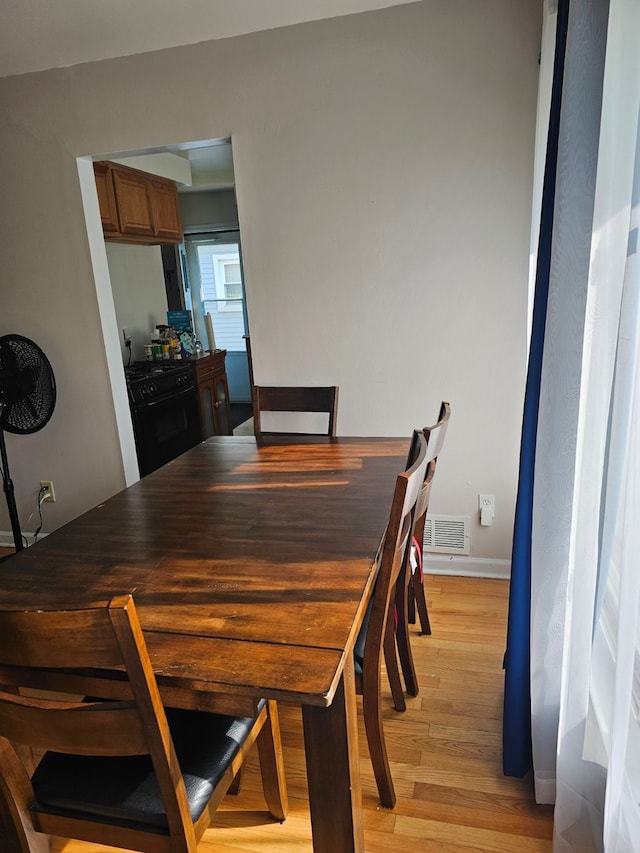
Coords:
6,538
473,567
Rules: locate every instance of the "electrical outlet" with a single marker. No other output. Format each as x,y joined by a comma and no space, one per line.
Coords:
487,502
487,507
50,494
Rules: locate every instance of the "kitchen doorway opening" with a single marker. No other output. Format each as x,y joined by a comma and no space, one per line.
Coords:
204,174
212,285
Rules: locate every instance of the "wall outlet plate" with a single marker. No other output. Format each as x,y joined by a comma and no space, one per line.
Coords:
487,502
50,494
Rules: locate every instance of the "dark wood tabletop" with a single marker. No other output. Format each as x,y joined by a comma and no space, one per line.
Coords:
251,568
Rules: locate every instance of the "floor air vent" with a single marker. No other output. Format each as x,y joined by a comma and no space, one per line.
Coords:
446,534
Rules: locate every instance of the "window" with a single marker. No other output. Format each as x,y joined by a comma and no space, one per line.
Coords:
214,273
228,281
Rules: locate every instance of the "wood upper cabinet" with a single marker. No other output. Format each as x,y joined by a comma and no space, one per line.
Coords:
106,198
145,206
165,210
134,204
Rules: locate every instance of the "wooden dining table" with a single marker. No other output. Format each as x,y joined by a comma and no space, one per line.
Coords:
251,568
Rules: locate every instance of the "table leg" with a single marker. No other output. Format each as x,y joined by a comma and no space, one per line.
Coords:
333,772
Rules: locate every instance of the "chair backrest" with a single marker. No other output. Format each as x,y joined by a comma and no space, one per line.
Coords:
281,398
33,644
422,501
435,434
408,487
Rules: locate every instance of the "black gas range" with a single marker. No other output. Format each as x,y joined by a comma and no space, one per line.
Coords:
164,411
151,380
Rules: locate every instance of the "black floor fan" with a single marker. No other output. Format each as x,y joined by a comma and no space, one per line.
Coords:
27,400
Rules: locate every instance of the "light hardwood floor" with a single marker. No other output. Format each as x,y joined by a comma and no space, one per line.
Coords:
445,752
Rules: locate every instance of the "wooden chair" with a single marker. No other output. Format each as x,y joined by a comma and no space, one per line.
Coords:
435,436
113,771
410,588
377,633
407,579
272,398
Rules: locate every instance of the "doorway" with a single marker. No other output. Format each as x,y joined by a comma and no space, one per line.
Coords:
204,173
214,293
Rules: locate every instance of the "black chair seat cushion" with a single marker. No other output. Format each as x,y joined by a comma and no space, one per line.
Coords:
124,791
358,649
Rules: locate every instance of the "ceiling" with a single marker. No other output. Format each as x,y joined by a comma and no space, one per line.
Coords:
36,35
211,167
196,166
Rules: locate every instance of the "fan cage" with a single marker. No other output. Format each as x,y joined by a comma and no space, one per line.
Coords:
27,385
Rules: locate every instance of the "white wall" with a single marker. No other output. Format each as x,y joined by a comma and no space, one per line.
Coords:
209,207
383,165
139,295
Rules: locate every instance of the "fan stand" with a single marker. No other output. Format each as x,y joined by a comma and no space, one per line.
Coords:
8,489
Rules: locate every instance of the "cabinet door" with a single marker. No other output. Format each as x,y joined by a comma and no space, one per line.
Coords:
215,411
165,210
207,402
134,206
106,197
222,406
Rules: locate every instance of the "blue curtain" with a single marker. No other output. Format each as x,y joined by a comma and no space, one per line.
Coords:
516,726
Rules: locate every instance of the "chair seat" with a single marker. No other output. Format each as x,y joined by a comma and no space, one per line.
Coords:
358,649
125,791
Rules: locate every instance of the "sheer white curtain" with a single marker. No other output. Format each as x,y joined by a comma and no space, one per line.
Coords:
585,676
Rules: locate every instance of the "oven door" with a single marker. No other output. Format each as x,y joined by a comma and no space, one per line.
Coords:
166,428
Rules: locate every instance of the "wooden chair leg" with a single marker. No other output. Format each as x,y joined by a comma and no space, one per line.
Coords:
403,589
234,787
421,604
391,662
272,765
372,713
16,793
411,606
